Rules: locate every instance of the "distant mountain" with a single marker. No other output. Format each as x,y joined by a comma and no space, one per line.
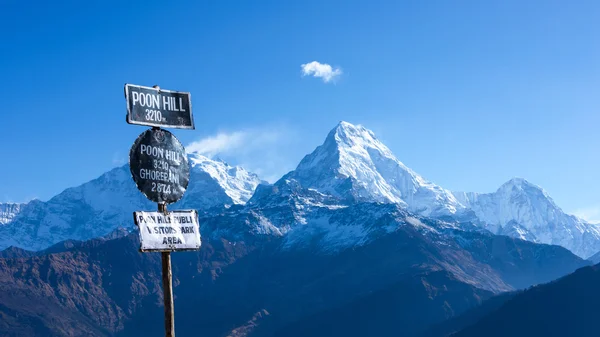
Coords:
8,211
214,183
98,207
14,252
565,307
595,258
524,210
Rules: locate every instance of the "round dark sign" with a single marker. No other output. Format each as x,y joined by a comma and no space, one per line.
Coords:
159,166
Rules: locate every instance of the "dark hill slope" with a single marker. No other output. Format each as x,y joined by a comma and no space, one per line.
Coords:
256,285
468,318
566,307
402,309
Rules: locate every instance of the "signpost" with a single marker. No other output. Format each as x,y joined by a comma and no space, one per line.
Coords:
160,169
177,230
159,166
158,107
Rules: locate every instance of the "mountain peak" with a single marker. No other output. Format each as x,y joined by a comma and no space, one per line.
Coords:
520,182
518,185
350,135
352,164
235,181
344,127
522,209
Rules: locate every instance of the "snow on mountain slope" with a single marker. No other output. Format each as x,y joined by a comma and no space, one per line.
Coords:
84,212
216,183
533,216
355,166
513,229
98,207
8,211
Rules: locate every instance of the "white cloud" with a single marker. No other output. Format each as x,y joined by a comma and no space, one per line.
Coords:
220,143
264,151
321,70
590,214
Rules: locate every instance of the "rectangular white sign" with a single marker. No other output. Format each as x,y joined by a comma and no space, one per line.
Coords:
177,230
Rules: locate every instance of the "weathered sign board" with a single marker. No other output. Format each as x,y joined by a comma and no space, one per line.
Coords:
159,166
175,230
158,107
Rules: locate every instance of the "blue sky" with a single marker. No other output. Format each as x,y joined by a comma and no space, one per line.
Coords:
467,93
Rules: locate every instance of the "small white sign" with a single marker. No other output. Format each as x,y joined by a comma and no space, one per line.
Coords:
176,230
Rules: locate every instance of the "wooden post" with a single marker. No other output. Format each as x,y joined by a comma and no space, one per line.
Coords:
167,281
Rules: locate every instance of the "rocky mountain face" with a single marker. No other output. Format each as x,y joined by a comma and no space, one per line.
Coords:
257,284
98,207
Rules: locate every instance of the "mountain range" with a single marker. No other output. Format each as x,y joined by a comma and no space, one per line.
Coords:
418,274
102,205
350,243
351,166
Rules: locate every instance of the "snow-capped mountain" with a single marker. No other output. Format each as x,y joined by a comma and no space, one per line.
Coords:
349,222
8,211
524,210
87,211
353,165
98,207
214,183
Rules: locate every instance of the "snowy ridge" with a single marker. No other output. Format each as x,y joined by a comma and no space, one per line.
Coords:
100,206
8,211
356,167
237,183
90,210
524,210
332,230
